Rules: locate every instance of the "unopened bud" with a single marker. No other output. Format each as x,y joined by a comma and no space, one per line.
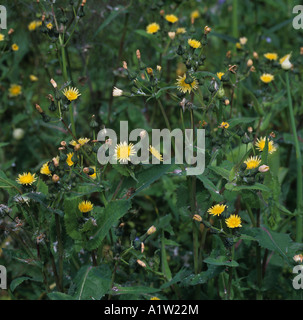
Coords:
226,102
63,143
77,147
142,247
250,62
207,29
86,170
253,69
172,35
138,54
255,55
149,71
301,50
197,218
250,129
243,40
10,31
263,168
151,230
55,178
53,82
55,161
141,263
159,68
39,109
124,65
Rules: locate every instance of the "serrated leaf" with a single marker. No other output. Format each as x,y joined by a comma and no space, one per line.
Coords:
114,211
221,261
60,296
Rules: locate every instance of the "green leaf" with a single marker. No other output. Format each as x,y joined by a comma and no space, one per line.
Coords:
114,211
16,282
256,186
92,282
224,173
221,261
71,214
133,290
60,296
8,183
203,277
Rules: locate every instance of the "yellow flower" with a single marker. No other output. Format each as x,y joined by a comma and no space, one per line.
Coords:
71,93
155,298
45,169
186,87
220,75
34,24
260,144
155,153
267,77
94,175
285,63
49,26
238,45
33,78
85,206
217,209
171,18
124,151
26,178
152,28
234,221
180,30
2,37
271,56
81,141
252,162
224,125
195,14
15,90
69,159
194,43
15,47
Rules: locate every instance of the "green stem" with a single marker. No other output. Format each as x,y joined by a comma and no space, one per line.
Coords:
299,222
60,250
235,20
164,115
230,273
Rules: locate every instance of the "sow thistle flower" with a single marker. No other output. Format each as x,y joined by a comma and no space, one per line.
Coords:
124,151
180,30
85,206
171,18
2,37
195,14
15,90
260,145
194,43
69,159
81,141
26,178
45,169
184,87
152,28
234,221
34,25
252,162
33,78
271,56
15,47
71,93
285,63
224,125
217,209
220,75
267,77
155,153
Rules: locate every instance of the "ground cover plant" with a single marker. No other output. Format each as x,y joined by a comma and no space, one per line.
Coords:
74,228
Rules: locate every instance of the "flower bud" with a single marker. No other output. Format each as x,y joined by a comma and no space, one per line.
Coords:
255,55
55,178
263,168
39,109
77,147
243,40
151,230
53,82
117,92
249,62
141,263
18,133
172,35
197,217
55,161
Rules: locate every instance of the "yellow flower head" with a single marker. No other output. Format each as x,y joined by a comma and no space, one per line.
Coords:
194,43
234,221
15,90
152,28
71,93
238,45
81,141
45,169
195,14
26,178
15,47
186,87
180,30
2,37
252,162
85,206
69,159
220,75
34,25
33,78
155,153
171,18
271,56
155,298
94,175
260,144
49,26
224,125
217,209
267,77
124,151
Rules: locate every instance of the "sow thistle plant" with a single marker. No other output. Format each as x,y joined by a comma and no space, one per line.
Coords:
86,230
